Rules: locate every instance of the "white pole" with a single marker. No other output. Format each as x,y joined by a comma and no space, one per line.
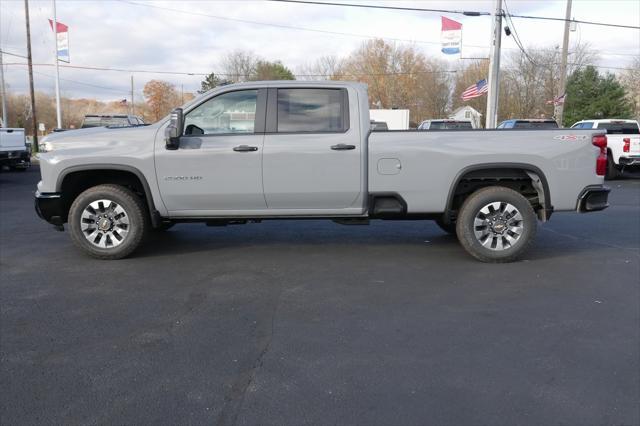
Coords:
494,68
4,95
55,58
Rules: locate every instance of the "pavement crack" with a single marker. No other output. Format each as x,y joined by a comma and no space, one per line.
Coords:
234,400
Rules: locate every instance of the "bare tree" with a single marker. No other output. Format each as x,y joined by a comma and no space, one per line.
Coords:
324,68
630,80
399,77
240,65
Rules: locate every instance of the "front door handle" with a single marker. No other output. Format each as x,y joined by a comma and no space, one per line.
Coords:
342,147
245,148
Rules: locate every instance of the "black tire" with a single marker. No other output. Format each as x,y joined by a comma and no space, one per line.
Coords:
466,229
133,206
612,169
449,228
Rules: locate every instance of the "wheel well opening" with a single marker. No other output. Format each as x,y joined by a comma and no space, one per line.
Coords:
74,183
525,182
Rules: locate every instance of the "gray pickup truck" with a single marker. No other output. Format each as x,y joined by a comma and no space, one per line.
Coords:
304,150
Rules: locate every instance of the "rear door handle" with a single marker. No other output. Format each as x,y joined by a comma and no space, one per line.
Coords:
342,147
245,148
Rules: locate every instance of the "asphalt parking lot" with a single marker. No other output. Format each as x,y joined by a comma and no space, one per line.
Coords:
310,322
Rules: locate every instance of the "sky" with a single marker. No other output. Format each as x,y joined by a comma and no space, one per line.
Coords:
194,36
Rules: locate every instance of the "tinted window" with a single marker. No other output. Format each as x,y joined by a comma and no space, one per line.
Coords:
458,125
233,112
115,121
536,125
91,122
310,110
620,128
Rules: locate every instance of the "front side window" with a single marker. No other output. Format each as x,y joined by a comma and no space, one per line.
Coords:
229,113
310,110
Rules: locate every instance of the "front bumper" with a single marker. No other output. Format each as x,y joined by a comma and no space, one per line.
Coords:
593,198
49,206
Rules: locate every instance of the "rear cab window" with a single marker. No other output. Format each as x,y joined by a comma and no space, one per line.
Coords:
620,128
523,124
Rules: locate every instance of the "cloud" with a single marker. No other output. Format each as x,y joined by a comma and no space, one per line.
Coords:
119,34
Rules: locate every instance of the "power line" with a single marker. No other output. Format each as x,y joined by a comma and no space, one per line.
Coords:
112,89
290,27
603,24
225,74
415,9
371,6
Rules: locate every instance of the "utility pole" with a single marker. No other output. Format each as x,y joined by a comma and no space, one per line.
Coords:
563,65
4,94
31,91
182,94
133,105
494,68
55,58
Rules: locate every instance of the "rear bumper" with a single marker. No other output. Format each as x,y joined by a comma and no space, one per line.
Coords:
593,198
630,161
15,158
49,207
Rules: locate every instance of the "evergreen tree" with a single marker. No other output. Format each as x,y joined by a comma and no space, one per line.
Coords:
591,95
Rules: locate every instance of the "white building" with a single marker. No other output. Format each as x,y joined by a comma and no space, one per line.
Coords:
396,119
469,114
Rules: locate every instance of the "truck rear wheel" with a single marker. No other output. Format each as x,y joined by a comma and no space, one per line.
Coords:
108,221
496,224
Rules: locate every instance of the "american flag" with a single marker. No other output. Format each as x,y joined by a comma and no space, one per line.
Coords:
475,90
557,101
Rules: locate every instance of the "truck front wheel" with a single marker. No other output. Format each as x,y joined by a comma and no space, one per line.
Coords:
108,221
496,224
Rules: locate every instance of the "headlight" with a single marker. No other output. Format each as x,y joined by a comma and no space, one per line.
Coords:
45,146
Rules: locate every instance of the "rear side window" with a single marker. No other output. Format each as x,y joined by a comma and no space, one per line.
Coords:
620,128
311,110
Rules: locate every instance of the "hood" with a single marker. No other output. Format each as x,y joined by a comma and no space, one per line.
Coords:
98,137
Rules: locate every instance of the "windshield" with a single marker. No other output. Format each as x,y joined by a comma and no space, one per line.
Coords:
620,128
535,125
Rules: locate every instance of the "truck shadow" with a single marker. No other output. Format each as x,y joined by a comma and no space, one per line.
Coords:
291,238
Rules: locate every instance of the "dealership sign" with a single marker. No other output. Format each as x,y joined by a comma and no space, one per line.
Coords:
451,36
62,40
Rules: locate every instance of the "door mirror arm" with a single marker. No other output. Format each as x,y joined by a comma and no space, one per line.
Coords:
174,130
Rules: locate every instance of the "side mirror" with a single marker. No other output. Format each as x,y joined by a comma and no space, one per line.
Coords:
174,130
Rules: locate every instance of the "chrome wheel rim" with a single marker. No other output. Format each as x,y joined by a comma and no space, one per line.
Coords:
105,223
498,226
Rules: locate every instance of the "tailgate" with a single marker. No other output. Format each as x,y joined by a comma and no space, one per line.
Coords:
12,139
634,146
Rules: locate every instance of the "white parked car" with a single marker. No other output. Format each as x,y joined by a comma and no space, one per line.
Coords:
623,143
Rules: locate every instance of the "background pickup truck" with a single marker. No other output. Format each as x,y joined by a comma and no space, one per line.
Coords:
14,151
283,150
623,143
